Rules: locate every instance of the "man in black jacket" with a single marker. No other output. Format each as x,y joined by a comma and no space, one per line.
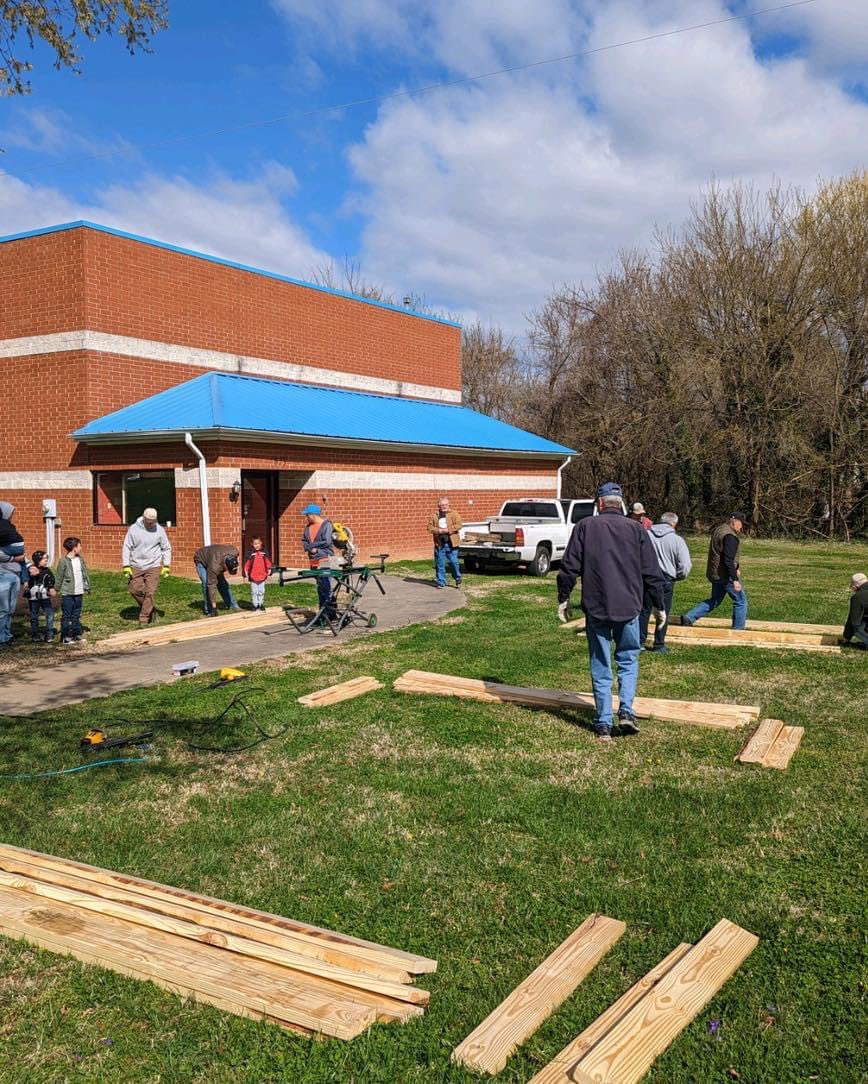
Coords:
613,557
856,628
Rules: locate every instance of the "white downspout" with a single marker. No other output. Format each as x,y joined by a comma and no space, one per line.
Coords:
203,489
565,463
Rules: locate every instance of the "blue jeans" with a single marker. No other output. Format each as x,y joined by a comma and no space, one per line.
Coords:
10,584
324,595
223,589
625,635
70,616
41,606
645,615
442,554
719,590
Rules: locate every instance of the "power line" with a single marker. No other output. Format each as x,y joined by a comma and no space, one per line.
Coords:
376,99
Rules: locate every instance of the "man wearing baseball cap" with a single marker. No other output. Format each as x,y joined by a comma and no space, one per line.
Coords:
856,627
613,557
317,540
638,513
723,573
146,556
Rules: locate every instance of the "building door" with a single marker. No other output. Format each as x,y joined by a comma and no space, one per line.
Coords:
259,510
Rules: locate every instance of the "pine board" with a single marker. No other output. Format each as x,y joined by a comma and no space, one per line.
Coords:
747,636
137,916
489,1046
772,626
759,743
334,694
368,950
184,967
628,1050
785,745
188,630
561,1069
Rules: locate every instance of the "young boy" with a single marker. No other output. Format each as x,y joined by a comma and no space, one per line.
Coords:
73,583
39,592
257,569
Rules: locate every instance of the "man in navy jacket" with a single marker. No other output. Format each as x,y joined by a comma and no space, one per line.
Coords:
613,557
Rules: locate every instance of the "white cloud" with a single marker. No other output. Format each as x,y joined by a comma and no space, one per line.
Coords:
835,33
238,219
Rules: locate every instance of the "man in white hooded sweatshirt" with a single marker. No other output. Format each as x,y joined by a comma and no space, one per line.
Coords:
147,554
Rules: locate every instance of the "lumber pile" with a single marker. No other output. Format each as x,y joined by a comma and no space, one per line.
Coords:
717,716
712,632
196,629
476,537
623,1043
301,977
488,1047
334,694
772,744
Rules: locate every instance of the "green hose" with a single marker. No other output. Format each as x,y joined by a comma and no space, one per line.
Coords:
80,768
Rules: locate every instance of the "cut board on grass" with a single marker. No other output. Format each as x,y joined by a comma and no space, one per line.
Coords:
628,1048
709,633
346,690
752,626
489,1046
209,906
785,745
717,716
760,741
562,1068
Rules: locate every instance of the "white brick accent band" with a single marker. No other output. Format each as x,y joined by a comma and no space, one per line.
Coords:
218,477
45,479
349,479
243,364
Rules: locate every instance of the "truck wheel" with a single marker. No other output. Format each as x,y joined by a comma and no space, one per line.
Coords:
471,564
541,563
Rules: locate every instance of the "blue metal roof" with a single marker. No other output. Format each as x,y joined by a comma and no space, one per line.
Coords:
83,223
245,404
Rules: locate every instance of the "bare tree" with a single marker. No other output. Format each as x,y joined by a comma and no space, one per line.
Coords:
349,278
492,373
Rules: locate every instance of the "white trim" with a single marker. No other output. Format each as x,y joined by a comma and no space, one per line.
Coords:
423,480
46,479
246,365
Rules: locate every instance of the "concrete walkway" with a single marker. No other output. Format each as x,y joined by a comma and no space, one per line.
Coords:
407,602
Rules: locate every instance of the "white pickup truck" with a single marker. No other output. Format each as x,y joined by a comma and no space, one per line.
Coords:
529,531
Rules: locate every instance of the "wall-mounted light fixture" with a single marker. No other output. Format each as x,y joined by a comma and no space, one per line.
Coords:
234,491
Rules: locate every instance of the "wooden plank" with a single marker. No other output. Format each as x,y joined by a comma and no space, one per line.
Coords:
785,745
561,1069
193,969
746,636
179,630
305,965
706,641
759,743
211,921
628,1050
370,950
772,626
334,694
489,1046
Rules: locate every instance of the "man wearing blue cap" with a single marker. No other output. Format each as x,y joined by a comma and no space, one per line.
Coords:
318,543
613,557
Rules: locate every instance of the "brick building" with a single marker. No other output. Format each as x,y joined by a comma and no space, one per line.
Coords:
126,360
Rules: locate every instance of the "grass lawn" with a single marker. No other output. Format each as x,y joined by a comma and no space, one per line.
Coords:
479,834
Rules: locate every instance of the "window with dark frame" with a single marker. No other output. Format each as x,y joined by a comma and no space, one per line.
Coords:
120,497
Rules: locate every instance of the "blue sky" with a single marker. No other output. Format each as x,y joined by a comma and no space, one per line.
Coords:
480,198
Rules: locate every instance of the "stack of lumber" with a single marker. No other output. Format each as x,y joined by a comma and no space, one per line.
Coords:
196,629
255,964
488,1047
334,694
623,1043
474,537
772,744
712,632
716,716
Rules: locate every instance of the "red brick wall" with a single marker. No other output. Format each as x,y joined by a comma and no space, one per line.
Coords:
87,279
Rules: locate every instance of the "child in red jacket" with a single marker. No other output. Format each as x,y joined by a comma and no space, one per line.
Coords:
257,569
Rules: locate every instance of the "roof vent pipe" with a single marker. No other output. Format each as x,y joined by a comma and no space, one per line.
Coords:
203,489
565,463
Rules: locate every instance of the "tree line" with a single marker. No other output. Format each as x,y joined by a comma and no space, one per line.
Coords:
726,367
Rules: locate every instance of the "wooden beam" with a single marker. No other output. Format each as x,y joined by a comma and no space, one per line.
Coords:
490,1045
334,694
628,1050
137,916
785,745
182,967
771,626
195,627
768,634
760,741
562,1069
370,950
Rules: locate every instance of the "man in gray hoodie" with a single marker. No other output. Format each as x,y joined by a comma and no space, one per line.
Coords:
147,555
673,557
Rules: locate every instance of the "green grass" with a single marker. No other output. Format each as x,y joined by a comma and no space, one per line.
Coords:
479,834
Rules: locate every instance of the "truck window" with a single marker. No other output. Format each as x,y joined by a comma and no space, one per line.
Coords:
531,509
581,510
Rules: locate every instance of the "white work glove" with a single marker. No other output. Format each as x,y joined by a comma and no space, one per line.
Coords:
660,616
564,612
